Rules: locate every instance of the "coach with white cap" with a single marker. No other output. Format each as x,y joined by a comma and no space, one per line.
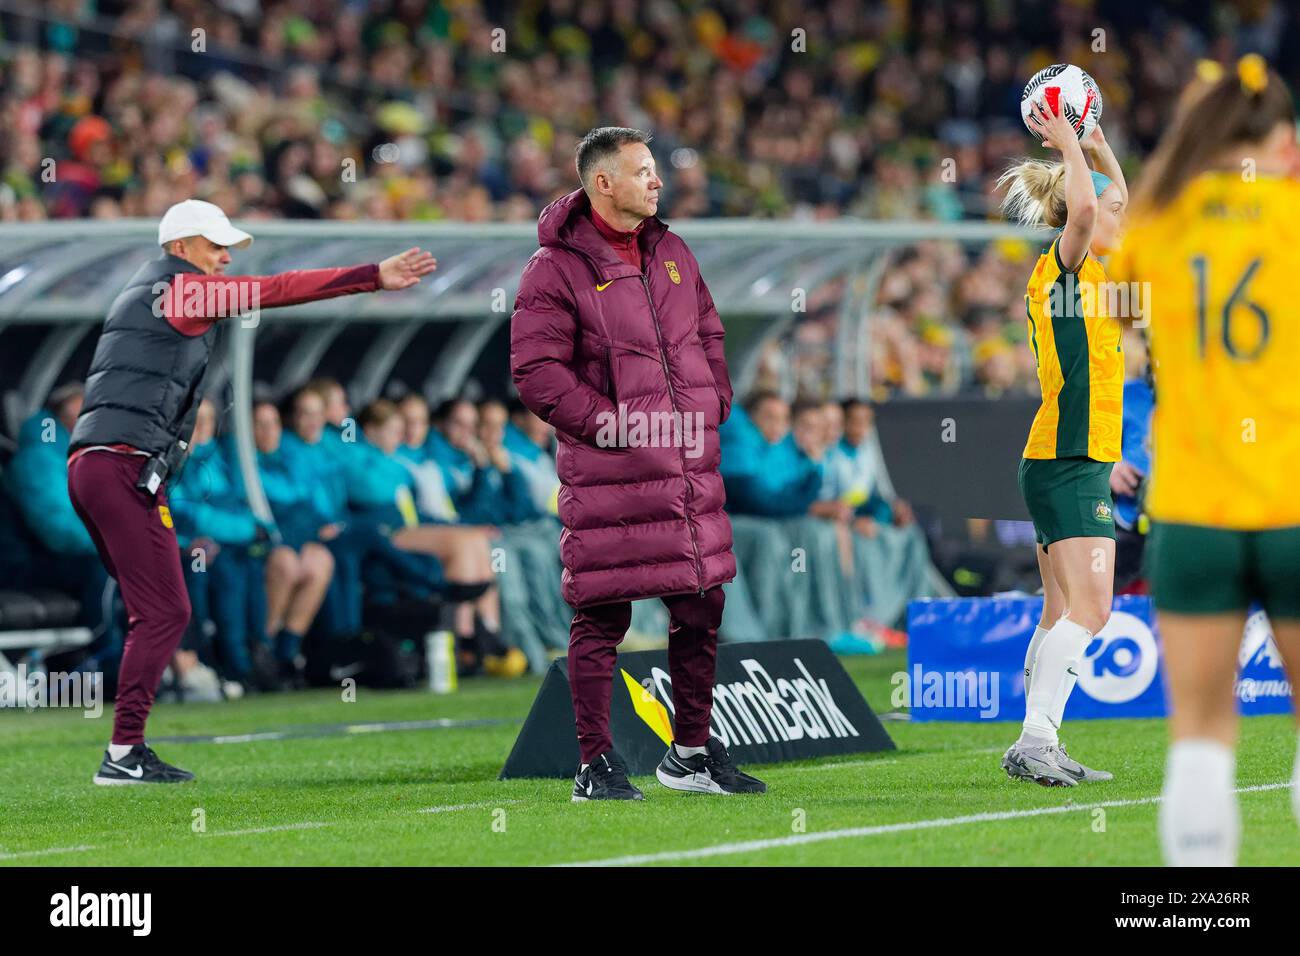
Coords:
132,434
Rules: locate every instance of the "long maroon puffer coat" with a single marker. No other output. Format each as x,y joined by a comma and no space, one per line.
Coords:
591,333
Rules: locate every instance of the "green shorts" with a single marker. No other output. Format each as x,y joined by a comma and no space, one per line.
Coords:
1068,498
1194,569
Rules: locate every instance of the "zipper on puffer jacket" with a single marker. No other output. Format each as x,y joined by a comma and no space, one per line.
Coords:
681,453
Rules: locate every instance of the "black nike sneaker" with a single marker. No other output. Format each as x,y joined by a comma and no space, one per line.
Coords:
605,778
141,765
709,772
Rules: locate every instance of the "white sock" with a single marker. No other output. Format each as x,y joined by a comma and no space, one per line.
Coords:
1031,654
118,751
1055,672
1199,823
688,751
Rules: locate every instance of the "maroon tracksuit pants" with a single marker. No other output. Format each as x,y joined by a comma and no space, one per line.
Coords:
594,637
134,535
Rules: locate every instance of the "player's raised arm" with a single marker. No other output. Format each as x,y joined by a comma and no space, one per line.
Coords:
1104,161
1080,197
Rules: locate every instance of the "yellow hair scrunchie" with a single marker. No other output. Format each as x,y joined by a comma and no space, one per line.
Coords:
1253,73
1209,71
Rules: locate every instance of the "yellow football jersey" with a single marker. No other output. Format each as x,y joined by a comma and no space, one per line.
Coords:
1080,365
1218,267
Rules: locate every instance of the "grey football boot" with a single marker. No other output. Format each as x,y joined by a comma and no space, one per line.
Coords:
1039,764
1079,771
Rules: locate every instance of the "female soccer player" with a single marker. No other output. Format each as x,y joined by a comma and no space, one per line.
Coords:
1075,438
1216,233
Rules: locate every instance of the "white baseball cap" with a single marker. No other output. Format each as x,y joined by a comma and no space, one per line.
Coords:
194,217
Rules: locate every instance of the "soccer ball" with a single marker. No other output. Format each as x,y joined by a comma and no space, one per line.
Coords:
1066,87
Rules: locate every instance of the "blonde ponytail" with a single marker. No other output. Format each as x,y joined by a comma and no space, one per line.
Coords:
1036,194
1219,111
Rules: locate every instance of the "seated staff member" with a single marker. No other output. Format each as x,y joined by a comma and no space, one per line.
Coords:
319,466
221,550
381,491
300,567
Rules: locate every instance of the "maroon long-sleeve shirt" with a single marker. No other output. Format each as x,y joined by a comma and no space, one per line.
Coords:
194,302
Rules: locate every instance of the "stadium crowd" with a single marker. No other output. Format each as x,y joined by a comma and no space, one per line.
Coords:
469,110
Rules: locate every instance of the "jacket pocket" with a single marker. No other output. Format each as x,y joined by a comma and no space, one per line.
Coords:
610,389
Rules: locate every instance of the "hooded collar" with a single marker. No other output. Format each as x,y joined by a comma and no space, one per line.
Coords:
611,234
566,224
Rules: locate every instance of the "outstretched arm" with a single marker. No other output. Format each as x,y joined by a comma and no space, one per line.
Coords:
196,301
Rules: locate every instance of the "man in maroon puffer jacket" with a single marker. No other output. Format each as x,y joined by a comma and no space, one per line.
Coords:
615,341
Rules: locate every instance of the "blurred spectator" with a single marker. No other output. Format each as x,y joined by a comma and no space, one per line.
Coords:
358,547
484,486
531,444
432,497
299,567
223,551
855,473
1128,477
64,556
381,492
889,560
765,469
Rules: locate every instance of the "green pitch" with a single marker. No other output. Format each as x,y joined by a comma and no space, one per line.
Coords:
430,796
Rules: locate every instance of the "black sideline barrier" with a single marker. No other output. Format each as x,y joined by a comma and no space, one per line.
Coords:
772,701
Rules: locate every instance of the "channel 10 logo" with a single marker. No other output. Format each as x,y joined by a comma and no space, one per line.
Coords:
1261,677
1120,661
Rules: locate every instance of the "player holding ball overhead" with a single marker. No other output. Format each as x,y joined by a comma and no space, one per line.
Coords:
1075,437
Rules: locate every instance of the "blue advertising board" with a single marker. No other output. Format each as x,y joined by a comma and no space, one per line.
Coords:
966,662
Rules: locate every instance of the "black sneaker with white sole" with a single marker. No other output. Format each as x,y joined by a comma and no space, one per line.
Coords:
605,778
709,772
141,765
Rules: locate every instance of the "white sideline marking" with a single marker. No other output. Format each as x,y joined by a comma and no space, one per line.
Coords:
22,854
882,763
841,766
249,738
276,829
469,806
749,846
